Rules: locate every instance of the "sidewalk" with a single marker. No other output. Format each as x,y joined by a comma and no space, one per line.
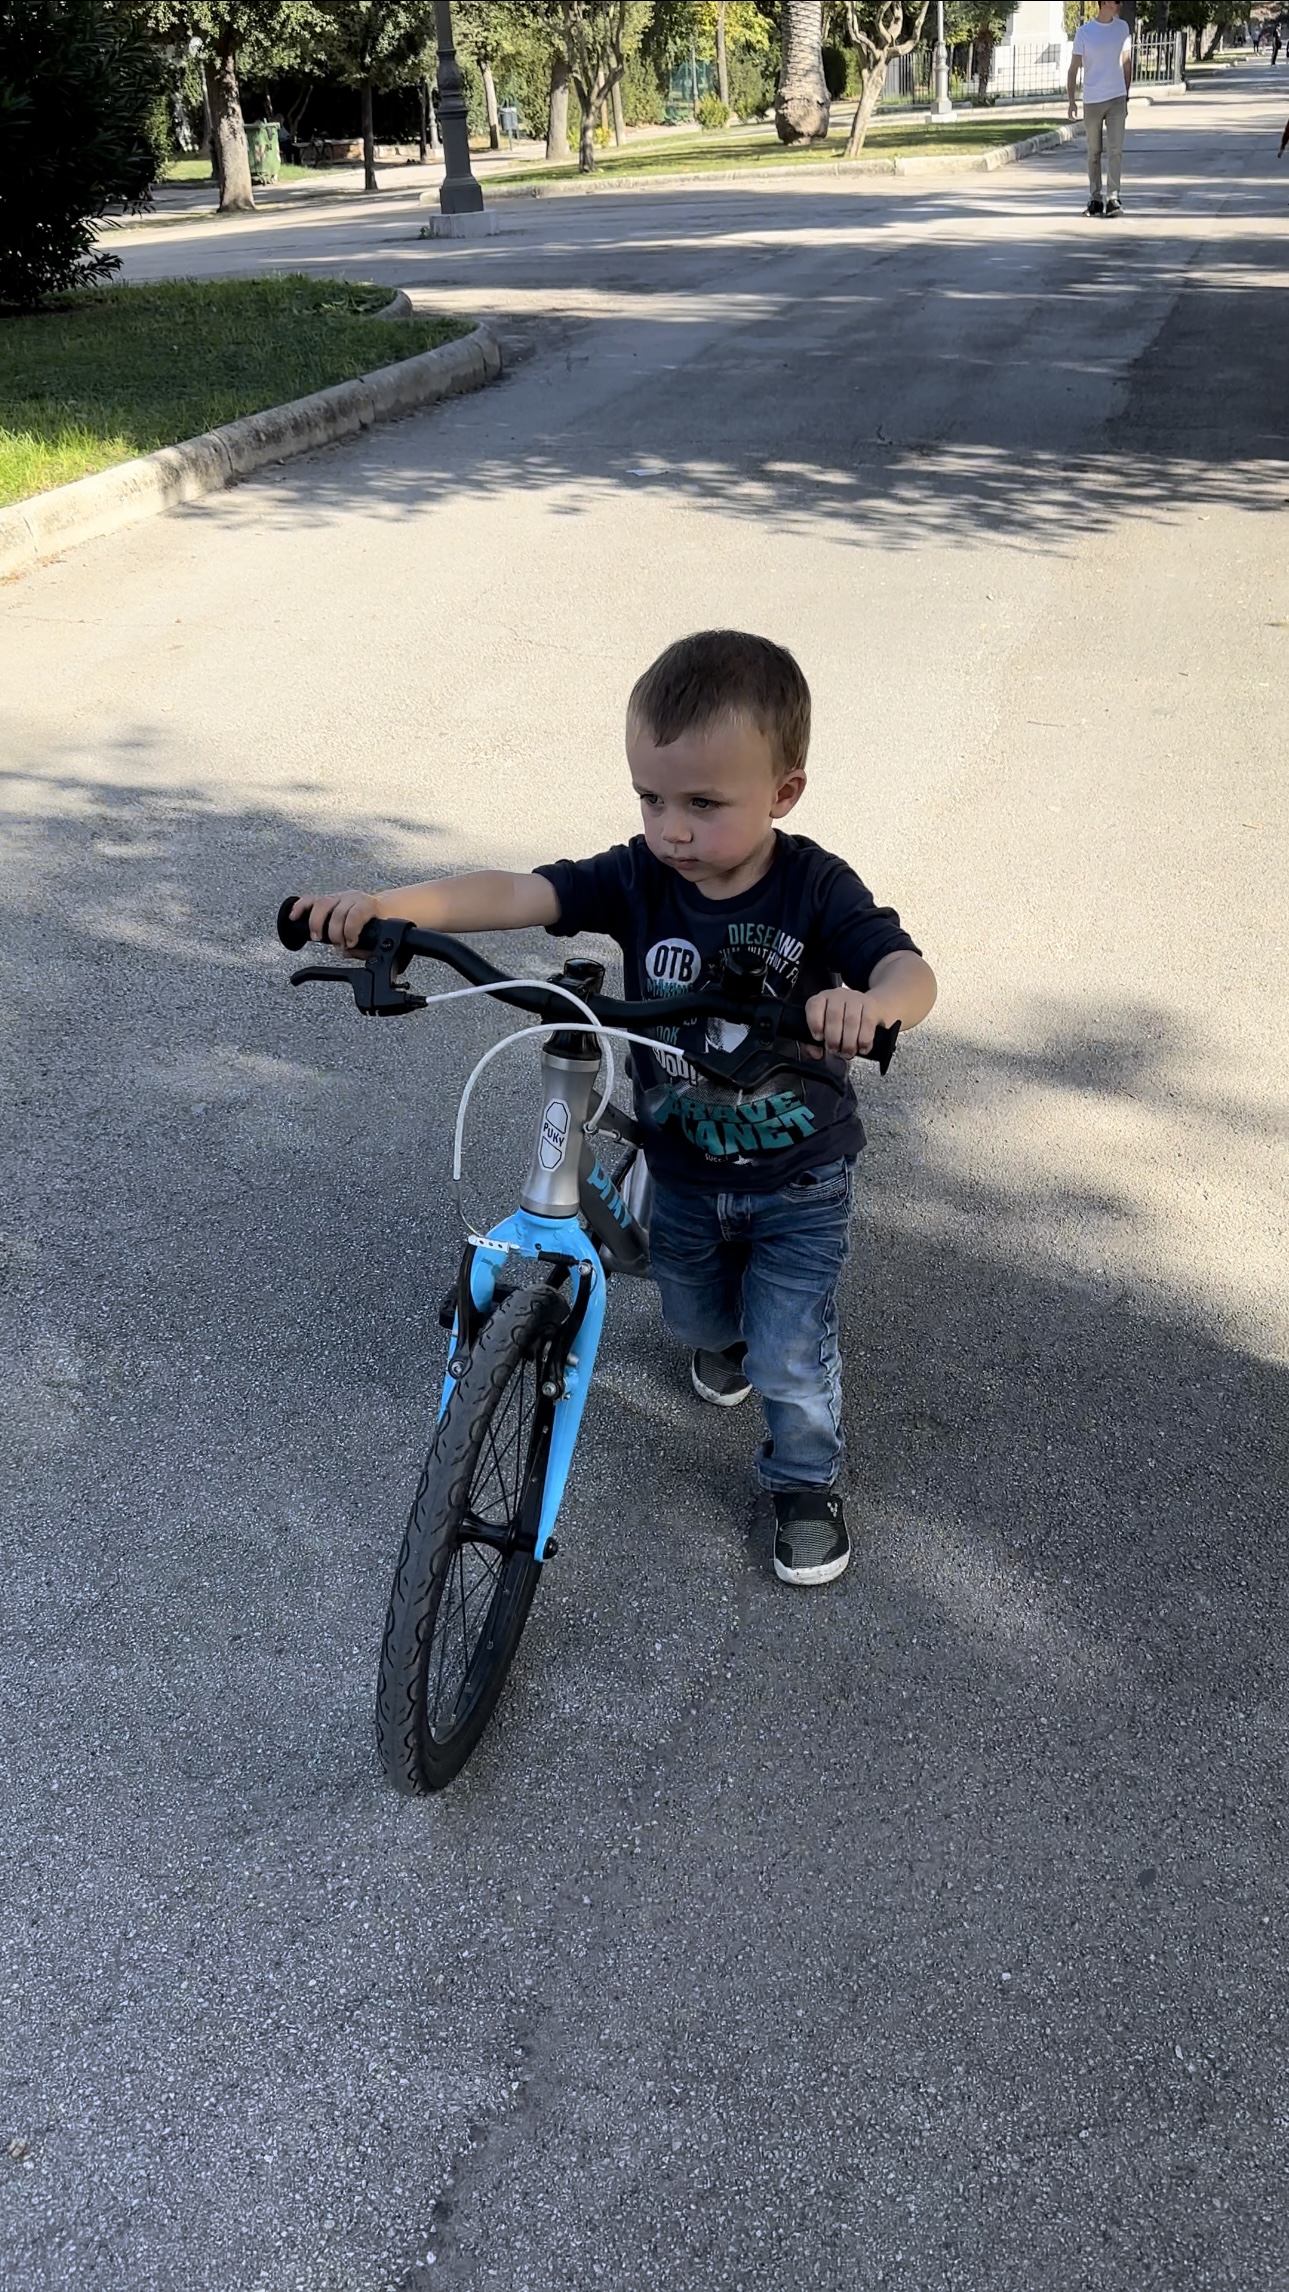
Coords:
189,202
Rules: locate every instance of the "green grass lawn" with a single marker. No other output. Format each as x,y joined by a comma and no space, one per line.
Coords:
760,147
101,376
198,171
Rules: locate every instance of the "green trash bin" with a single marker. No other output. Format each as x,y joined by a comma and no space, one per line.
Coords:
265,150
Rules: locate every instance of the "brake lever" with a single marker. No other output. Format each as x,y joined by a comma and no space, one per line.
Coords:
375,983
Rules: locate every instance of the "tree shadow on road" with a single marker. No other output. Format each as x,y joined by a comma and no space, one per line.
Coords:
957,412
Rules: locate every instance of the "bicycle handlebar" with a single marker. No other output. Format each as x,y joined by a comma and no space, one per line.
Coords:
387,946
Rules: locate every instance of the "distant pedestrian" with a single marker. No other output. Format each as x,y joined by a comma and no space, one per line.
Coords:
1103,53
1279,38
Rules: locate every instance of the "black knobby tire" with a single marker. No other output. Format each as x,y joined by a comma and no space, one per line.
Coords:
460,1599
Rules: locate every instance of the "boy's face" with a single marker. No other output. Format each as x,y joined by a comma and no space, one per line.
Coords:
709,801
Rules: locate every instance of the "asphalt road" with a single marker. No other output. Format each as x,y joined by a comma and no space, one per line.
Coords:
928,1931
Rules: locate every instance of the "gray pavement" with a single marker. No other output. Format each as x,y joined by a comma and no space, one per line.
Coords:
925,1932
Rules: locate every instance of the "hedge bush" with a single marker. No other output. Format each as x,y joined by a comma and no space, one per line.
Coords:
81,130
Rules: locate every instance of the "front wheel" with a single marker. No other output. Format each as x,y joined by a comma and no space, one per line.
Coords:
466,1574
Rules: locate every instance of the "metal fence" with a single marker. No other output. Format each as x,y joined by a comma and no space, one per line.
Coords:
1016,74
1159,61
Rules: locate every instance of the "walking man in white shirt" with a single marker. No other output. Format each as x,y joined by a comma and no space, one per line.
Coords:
1103,53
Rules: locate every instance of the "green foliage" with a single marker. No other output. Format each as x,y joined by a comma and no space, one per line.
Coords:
676,26
711,112
80,130
752,81
973,22
644,93
517,38
266,36
387,43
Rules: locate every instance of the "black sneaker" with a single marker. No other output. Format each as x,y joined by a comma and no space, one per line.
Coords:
811,1545
1113,207
718,1377
1095,206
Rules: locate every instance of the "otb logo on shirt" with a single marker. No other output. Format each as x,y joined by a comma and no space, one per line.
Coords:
672,967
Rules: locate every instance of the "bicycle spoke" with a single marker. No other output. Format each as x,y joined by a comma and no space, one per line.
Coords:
508,1458
475,1580
438,1685
465,1638
511,1430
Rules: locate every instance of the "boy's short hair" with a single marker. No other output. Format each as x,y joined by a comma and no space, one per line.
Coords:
718,673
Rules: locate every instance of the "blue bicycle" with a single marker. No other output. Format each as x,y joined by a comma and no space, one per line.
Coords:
526,1313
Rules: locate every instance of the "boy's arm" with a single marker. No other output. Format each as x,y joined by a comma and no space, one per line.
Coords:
1072,83
901,986
489,901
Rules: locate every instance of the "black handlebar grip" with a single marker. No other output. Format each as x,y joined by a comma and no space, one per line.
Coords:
884,1041
293,935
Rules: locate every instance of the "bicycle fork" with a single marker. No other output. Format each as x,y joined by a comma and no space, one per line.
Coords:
545,1229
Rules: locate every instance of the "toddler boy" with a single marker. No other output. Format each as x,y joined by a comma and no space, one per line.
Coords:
748,1233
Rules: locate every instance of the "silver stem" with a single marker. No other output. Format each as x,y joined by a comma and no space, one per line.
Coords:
551,1187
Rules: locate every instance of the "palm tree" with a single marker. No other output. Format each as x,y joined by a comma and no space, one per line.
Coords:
801,98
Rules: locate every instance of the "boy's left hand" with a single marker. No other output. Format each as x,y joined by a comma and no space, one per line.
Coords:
843,1020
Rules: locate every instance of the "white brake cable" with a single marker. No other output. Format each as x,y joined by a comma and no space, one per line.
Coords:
525,1034
522,1034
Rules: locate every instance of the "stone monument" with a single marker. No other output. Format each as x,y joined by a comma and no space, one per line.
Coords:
1033,55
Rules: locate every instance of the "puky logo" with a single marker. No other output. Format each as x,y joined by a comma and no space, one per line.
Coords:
554,1135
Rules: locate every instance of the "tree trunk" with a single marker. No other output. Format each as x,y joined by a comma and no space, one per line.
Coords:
619,115
874,80
586,140
722,59
423,103
557,113
369,140
801,98
984,62
228,135
490,105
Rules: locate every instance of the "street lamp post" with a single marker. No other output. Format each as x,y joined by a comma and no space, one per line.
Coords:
941,108
459,194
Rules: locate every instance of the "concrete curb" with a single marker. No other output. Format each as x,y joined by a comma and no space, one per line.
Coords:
43,526
946,163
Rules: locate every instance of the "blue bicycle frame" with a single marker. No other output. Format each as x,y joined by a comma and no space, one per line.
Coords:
570,1211
531,1237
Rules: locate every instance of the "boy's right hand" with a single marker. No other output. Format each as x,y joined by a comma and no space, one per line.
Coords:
338,916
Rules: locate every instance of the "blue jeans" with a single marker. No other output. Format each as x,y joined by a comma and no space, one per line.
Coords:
762,1269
